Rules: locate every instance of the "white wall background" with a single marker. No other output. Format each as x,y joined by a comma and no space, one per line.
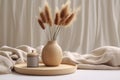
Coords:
98,24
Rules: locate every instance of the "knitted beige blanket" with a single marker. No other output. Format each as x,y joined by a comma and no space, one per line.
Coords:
106,57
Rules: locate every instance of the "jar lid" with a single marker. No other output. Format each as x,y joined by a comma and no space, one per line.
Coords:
32,54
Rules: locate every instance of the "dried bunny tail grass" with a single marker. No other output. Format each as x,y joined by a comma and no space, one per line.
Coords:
42,15
41,23
57,17
70,19
65,9
48,14
61,22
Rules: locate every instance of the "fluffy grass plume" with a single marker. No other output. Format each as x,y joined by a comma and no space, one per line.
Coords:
57,17
48,14
41,24
63,18
42,15
65,10
69,19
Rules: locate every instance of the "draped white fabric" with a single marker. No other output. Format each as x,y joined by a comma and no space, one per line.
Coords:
97,24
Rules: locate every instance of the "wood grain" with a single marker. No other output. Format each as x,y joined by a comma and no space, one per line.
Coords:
43,70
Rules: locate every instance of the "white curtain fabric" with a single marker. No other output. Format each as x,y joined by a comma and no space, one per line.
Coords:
98,24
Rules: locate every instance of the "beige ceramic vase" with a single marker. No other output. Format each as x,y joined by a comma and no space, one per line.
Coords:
52,54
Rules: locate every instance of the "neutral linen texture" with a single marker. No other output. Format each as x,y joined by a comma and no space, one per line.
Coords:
10,56
97,24
103,58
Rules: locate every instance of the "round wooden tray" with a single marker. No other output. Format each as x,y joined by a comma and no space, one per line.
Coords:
44,70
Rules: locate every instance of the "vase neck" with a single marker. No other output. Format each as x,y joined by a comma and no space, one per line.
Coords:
52,41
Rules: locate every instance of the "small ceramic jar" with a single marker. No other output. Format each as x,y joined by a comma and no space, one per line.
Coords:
32,59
